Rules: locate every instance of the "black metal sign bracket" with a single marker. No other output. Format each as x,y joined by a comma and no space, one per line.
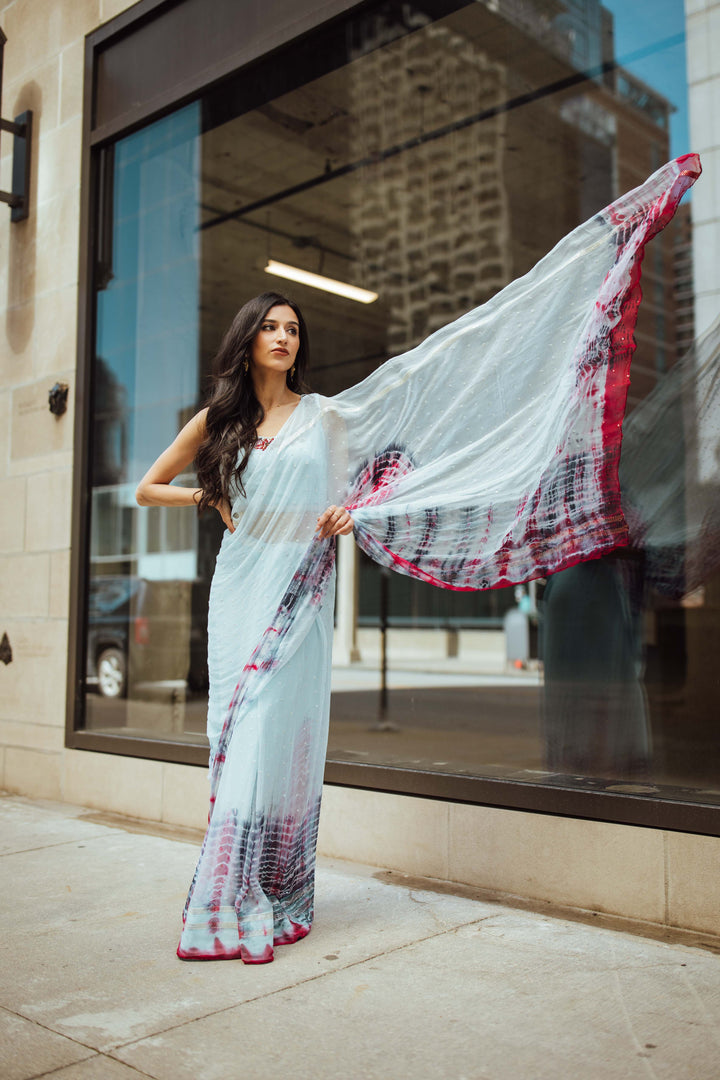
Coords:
18,199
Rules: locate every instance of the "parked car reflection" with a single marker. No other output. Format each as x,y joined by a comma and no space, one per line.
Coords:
145,635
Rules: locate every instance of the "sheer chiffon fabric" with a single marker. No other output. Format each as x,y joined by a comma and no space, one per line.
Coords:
485,456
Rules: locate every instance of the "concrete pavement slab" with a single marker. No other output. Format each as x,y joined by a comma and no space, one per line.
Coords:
399,978
517,996
28,1050
95,937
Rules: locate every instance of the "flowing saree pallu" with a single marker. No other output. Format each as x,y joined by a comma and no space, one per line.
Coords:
485,456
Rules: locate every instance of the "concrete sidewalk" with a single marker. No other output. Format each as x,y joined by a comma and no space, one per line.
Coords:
398,979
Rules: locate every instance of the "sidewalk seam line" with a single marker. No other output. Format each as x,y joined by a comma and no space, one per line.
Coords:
98,1054
46,847
57,1068
302,982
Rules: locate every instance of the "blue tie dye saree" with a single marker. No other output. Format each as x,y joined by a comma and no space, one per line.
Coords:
487,455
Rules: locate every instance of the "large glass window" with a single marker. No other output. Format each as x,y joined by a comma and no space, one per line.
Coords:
431,153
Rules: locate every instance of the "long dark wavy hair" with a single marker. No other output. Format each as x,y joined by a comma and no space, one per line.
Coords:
233,410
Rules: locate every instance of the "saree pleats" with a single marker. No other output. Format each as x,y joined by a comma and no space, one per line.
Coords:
487,455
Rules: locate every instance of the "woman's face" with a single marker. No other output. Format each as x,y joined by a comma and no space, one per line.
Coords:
276,343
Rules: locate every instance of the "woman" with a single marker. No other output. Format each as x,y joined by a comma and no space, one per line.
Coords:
260,364
486,456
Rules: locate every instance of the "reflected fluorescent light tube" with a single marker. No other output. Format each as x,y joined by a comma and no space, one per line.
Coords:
317,281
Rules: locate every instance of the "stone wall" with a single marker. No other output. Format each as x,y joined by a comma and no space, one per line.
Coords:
703,73
43,71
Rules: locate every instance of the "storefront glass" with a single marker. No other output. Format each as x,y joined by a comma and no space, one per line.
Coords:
430,153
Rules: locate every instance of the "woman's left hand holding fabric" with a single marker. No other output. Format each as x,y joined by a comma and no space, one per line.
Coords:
333,522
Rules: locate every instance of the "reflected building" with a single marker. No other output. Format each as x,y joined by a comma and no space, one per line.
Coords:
488,137
430,222
683,284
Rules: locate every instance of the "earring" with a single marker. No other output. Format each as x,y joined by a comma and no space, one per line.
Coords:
292,371
245,365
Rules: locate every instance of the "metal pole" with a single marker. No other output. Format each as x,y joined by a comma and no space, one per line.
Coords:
383,724
382,711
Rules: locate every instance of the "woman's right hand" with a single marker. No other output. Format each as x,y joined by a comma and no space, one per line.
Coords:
225,511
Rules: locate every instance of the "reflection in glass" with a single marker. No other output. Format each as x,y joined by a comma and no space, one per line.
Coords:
144,580
595,719
431,161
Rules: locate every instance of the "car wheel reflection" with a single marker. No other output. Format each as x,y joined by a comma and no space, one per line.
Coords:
112,673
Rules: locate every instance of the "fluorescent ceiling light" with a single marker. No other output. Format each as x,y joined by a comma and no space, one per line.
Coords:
317,281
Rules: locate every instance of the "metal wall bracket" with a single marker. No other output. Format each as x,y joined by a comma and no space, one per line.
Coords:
19,198
21,129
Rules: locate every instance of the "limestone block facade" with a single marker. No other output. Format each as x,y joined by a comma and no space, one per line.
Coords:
43,71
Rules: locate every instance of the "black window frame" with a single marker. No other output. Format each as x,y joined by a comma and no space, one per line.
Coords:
121,111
